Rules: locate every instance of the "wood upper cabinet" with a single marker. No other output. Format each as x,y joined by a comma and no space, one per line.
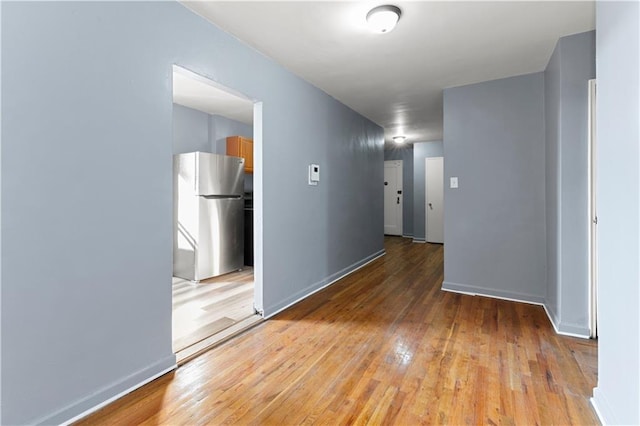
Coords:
239,146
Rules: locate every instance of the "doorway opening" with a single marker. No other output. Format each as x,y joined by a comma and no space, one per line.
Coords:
217,186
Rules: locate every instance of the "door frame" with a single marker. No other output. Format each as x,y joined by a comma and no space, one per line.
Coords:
591,211
258,203
258,209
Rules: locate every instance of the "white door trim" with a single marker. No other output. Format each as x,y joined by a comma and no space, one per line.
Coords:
258,209
593,217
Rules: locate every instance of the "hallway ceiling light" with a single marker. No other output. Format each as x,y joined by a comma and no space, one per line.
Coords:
383,19
399,139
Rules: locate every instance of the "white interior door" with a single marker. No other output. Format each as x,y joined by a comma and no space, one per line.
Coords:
434,199
393,197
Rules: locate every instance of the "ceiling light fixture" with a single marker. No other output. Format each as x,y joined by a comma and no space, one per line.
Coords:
383,19
399,139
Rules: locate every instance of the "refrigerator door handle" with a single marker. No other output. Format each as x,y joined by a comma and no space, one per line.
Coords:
222,197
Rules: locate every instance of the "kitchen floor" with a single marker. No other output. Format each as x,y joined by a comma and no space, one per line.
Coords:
205,309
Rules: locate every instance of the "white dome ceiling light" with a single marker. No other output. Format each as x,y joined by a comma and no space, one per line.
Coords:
399,139
383,19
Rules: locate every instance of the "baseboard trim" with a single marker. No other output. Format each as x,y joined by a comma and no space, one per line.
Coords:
419,241
108,394
564,329
320,285
573,331
603,409
495,294
407,236
553,317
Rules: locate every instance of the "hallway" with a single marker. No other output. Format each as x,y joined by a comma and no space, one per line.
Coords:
382,346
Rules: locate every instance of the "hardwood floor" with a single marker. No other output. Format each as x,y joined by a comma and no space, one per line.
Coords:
383,346
205,309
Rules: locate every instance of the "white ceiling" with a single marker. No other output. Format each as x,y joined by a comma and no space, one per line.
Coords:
396,79
194,91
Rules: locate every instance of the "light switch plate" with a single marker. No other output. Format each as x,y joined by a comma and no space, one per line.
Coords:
314,174
453,182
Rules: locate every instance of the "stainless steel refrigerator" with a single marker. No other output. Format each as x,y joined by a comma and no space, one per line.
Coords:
209,218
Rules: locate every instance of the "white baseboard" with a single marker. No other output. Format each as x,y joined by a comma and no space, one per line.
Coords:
316,287
419,241
566,330
108,394
603,409
495,294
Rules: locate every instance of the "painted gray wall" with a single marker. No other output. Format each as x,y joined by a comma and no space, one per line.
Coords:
422,150
190,130
618,182
86,192
406,155
1,186
221,127
566,121
495,221
195,130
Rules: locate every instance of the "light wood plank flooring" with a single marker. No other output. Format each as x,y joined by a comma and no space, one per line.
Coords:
382,346
205,309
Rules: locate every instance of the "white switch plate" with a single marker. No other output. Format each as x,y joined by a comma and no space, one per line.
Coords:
453,182
314,174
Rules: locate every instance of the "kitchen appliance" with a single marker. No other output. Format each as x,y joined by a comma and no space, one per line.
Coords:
209,217
248,228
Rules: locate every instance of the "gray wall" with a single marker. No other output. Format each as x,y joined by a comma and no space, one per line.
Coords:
566,120
406,155
495,221
195,130
618,182
422,150
86,192
221,127
1,209
190,130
